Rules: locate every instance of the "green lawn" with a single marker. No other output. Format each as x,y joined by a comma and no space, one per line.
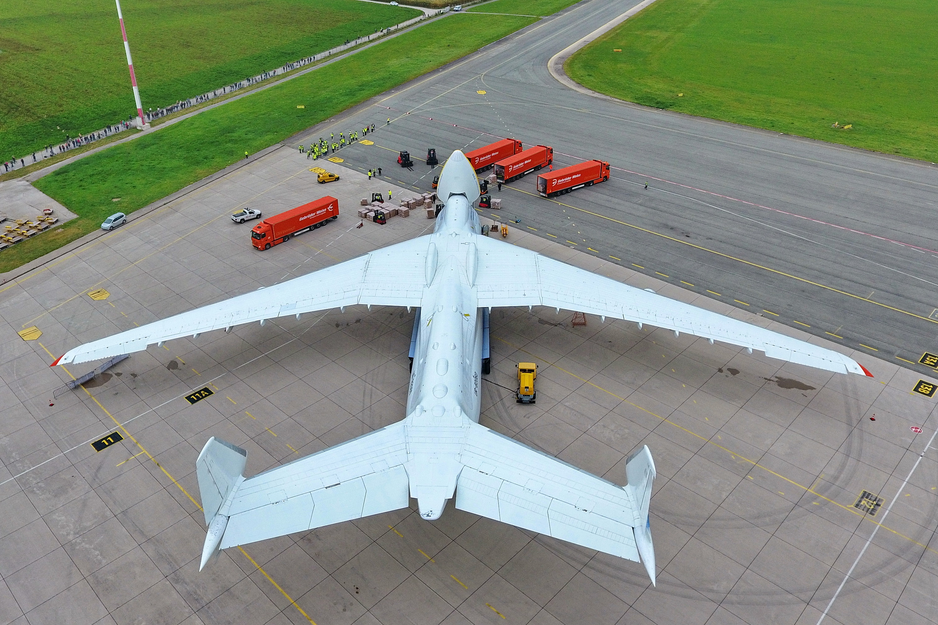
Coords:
63,69
796,66
524,7
142,171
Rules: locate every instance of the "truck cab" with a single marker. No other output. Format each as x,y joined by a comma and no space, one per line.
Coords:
527,373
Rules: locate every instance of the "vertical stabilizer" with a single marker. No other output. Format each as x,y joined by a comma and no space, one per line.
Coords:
640,469
219,469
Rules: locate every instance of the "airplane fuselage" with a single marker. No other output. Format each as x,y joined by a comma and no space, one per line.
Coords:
444,394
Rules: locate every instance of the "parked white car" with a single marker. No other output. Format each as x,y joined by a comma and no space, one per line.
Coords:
245,214
114,221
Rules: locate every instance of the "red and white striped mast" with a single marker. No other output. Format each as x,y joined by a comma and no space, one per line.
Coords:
130,64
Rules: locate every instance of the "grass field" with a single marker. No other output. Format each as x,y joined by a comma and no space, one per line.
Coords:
796,67
154,166
524,7
63,69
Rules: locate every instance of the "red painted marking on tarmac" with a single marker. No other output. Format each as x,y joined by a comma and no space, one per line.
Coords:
916,429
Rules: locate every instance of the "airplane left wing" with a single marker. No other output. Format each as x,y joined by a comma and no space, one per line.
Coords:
393,276
518,277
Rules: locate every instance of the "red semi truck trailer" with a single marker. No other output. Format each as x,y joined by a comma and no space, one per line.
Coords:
279,228
518,165
573,177
483,158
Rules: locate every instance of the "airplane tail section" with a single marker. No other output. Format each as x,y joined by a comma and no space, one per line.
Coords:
219,468
640,469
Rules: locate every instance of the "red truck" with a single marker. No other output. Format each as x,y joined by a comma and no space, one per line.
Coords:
518,165
279,228
569,178
483,158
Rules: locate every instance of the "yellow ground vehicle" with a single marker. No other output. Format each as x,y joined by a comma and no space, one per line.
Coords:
527,373
326,177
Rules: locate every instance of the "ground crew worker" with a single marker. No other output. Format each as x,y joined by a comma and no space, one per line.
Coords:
373,127
301,149
379,171
369,174
499,186
331,136
389,122
389,195
245,154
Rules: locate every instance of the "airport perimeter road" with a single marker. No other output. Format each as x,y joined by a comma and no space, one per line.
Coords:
837,242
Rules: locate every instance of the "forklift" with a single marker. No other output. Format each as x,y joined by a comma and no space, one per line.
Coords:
380,218
403,159
436,182
485,201
431,157
484,186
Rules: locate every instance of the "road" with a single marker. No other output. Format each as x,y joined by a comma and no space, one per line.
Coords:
830,240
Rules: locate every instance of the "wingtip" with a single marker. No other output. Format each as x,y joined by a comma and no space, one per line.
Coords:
866,371
54,364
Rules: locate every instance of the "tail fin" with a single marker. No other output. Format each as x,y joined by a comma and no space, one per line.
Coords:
640,469
219,469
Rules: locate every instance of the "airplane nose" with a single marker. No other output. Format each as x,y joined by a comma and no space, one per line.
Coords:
458,178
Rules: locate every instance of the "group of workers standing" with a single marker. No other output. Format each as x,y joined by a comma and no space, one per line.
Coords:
323,147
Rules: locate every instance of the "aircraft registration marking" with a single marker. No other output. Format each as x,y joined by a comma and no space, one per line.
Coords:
199,395
925,388
107,441
869,503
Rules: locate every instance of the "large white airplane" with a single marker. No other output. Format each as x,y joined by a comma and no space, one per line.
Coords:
439,448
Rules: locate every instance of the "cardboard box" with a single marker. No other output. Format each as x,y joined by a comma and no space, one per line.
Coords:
404,212
364,201
496,202
431,213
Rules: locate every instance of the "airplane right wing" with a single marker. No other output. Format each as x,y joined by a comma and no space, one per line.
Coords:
518,277
509,482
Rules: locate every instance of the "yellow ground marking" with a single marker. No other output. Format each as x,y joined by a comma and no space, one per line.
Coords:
111,304
336,159
231,400
291,448
553,236
570,242
180,360
99,294
834,335
714,292
530,228
662,274
592,250
394,529
30,334
128,435
616,258
639,266
250,415
494,610
135,224
129,459
277,586
271,432
195,372
740,302
481,91
753,463
459,582
425,555
687,283
213,385
748,263
770,312
904,360
801,324
868,347
367,142
166,348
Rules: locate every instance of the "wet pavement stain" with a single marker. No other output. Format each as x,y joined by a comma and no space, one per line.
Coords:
788,383
172,365
729,370
98,380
